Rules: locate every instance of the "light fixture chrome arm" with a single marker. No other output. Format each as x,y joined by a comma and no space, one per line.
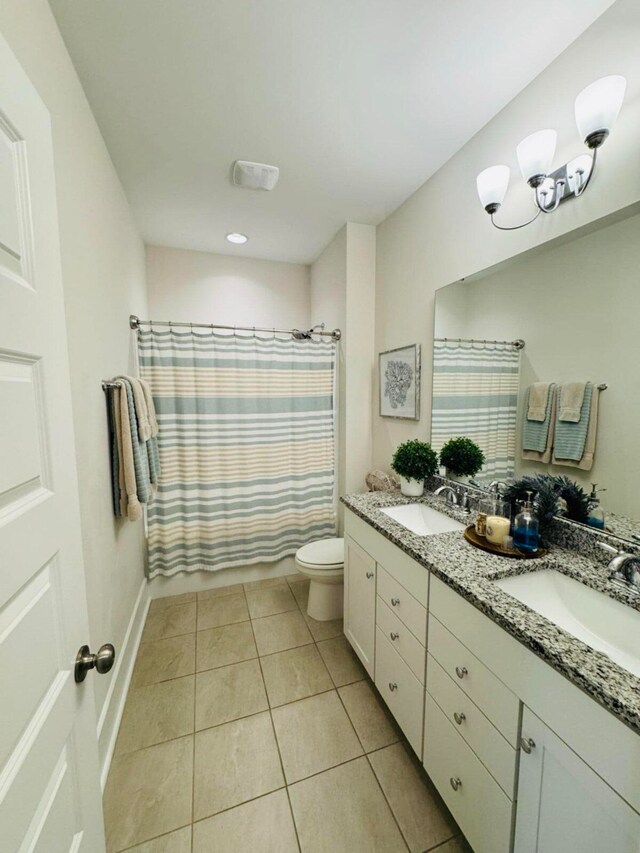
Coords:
556,196
514,227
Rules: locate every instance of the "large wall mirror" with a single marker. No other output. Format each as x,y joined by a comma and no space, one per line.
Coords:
538,362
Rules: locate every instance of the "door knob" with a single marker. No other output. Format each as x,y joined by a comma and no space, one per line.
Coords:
455,782
102,661
459,717
461,671
527,744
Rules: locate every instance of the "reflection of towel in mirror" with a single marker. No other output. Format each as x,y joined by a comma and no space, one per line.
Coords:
571,400
537,437
538,399
575,443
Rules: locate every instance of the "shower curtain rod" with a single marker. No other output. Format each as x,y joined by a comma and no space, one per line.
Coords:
518,344
298,334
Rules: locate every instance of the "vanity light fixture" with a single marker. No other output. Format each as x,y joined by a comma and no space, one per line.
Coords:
236,237
596,110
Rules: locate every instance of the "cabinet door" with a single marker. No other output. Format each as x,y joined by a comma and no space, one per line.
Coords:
563,805
360,602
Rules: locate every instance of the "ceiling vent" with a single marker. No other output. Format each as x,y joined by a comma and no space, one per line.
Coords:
255,176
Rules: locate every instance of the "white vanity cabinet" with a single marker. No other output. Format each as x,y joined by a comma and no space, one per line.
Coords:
360,601
525,760
563,805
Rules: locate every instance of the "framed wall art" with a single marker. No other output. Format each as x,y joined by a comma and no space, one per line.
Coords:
400,382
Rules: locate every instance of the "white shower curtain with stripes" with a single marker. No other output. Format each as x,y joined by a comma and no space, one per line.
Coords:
246,448
475,394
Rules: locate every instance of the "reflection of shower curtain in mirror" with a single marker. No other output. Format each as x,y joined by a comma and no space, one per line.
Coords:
246,447
475,393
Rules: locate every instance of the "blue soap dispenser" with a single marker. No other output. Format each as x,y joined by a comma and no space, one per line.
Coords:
596,513
525,528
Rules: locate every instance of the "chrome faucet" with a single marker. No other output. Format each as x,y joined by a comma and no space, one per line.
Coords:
497,486
449,494
624,568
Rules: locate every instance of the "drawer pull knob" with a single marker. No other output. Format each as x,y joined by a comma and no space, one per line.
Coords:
393,686
395,601
461,671
369,575
455,783
459,717
394,635
527,744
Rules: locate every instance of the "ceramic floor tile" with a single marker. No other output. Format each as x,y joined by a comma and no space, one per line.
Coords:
300,590
421,814
225,645
171,601
456,845
314,734
234,763
175,842
228,693
264,825
341,661
223,610
170,621
294,577
294,674
372,721
266,602
323,630
280,632
156,713
220,591
265,583
160,660
344,811
148,793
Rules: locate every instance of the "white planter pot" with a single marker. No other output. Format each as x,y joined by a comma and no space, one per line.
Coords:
411,488
458,478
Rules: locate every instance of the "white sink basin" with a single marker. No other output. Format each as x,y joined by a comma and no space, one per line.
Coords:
422,520
602,623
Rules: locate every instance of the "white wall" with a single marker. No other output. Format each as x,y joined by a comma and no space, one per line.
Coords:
202,286
577,308
442,234
343,293
104,280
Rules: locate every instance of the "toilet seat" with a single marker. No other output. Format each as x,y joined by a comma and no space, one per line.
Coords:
325,554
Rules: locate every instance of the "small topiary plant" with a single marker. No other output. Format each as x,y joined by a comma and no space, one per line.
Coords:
415,460
462,457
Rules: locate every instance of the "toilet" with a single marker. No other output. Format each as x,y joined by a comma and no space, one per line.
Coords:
323,563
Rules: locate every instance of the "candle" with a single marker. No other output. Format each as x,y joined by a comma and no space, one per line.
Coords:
497,528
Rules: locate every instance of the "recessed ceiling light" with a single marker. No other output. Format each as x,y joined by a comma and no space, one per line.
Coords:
236,237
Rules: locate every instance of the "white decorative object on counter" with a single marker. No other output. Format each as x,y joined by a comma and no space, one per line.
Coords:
411,488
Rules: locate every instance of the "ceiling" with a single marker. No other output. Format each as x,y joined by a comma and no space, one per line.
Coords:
357,101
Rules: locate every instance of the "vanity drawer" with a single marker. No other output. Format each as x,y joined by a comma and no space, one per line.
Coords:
479,805
497,755
403,604
410,650
401,690
493,697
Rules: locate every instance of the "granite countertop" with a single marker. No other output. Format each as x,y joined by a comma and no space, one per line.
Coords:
470,572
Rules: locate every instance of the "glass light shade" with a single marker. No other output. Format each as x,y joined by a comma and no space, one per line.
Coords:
535,153
492,185
598,105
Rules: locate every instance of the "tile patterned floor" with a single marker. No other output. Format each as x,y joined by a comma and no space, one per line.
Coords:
249,726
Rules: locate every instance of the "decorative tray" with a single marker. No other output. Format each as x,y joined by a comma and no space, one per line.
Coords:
480,542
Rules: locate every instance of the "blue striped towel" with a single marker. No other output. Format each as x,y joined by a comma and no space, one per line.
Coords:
570,437
535,434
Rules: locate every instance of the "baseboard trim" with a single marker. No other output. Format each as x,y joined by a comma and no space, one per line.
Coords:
113,708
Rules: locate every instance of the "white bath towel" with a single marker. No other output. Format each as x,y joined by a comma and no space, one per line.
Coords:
151,409
142,410
571,399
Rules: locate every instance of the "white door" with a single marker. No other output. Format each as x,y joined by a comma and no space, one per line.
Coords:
360,602
563,805
50,798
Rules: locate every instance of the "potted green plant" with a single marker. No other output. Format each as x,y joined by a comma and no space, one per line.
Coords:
413,462
461,457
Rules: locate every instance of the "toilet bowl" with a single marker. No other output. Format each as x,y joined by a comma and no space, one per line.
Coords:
323,563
